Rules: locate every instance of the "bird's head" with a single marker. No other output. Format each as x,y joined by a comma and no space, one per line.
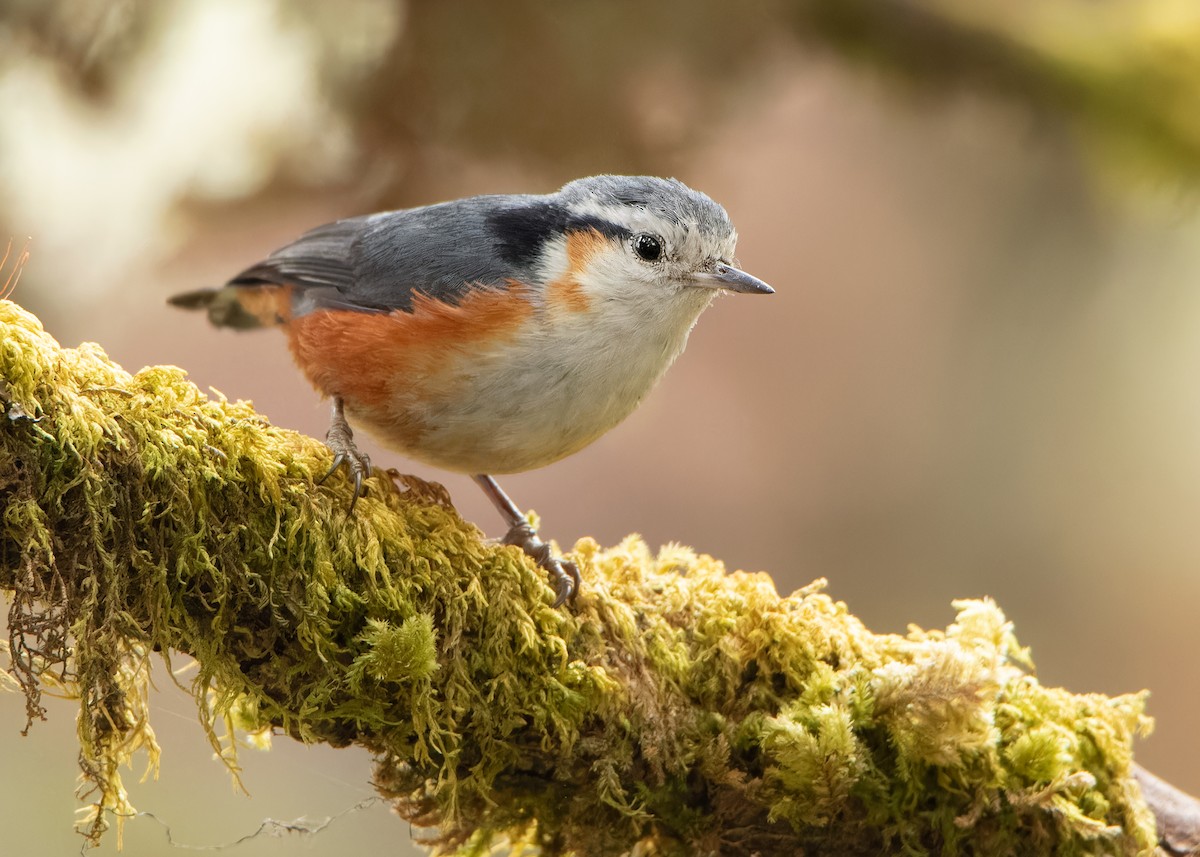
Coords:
658,235
634,239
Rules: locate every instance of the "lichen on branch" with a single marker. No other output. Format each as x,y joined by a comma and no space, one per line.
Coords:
676,709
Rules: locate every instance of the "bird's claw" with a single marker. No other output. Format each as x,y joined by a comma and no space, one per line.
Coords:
340,441
564,575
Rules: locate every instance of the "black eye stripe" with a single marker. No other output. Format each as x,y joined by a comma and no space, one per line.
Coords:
520,232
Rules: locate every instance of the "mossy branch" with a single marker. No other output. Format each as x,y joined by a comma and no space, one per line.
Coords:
677,709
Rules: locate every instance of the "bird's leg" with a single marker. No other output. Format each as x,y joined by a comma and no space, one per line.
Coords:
340,440
564,574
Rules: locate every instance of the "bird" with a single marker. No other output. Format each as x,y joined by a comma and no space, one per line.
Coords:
492,334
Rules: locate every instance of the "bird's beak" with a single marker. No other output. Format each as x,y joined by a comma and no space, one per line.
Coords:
731,279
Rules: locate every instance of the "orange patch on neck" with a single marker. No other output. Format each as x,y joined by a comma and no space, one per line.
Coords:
390,367
566,291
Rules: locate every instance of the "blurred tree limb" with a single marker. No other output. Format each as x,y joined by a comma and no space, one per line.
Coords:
1127,72
678,709
637,84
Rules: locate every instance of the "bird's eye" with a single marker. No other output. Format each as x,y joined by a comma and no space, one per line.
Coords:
648,247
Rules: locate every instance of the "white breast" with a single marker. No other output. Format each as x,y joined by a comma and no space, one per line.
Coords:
567,378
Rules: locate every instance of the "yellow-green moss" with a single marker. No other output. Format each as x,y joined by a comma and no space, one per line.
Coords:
678,709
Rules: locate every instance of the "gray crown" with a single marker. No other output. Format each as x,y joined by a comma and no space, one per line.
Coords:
670,199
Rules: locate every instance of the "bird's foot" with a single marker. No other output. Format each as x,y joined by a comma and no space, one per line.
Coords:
564,574
340,440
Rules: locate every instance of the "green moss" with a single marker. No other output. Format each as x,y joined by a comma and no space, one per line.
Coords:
396,654
677,709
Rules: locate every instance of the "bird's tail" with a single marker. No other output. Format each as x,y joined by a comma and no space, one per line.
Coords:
239,307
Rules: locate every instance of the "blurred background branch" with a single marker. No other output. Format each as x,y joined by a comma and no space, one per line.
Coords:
1126,75
400,79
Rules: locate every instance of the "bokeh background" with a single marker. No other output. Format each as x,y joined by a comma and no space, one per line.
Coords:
979,375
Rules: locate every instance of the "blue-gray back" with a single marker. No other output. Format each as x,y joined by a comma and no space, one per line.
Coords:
376,263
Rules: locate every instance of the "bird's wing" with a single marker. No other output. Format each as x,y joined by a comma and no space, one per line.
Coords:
380,262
